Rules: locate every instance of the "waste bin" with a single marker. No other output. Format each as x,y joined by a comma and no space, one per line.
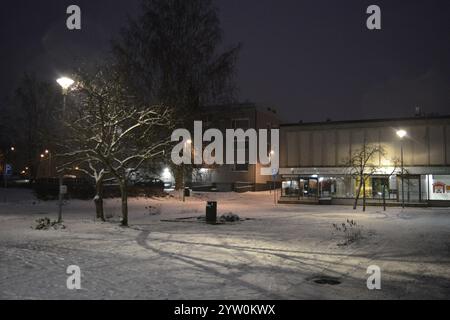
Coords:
211,212
187,192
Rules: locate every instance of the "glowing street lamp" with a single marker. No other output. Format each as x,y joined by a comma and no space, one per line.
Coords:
65,84
401,134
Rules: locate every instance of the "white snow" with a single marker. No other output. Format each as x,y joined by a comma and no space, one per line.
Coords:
275,255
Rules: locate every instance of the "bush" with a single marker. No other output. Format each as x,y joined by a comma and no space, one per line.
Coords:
46,223
229,217
350,229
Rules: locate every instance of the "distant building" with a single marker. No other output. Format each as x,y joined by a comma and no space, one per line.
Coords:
313,156
237,177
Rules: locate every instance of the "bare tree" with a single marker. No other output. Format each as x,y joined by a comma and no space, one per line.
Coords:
85,163
362,166
112,132
33,106
172,55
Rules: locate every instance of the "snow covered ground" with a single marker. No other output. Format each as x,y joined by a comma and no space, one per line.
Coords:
276,254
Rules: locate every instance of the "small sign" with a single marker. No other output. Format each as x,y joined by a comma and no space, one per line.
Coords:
63,189
274,171
439,187
8,170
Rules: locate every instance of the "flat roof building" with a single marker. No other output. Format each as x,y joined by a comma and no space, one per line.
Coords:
314,160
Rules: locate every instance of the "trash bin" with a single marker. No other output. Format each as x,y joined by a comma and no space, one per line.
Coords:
187,192
211,212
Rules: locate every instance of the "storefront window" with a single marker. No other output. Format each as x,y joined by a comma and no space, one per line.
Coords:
290,188
300,187
344,187
327,186
439,187
367,187
380,186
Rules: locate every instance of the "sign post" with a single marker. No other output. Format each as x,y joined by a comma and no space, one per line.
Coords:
274,175
7,173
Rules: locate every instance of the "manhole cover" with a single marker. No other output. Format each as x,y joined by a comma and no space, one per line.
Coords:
327,280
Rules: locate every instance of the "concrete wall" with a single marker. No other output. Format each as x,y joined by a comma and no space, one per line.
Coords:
330,144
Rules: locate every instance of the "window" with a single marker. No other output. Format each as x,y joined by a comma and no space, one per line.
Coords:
241,167
240,124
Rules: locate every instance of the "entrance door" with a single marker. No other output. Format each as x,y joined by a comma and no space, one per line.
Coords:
413,192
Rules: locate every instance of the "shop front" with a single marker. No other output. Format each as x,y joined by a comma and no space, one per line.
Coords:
414,188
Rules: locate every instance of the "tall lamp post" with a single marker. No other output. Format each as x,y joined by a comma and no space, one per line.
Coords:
65,84
188,143
273,177
48,154
401,134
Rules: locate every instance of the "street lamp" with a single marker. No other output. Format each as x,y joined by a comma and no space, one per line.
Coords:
43,155
188,142
401,134
271,153
65,84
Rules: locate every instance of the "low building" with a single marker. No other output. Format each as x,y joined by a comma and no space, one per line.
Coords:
237,177
314,161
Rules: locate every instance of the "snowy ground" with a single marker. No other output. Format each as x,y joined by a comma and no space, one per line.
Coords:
275,255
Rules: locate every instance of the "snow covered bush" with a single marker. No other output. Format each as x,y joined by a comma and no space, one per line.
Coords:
350,229
153,211
46,223
229,217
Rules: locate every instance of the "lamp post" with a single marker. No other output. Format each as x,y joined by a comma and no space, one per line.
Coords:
273,177
47,154
65,84
401,134
188,142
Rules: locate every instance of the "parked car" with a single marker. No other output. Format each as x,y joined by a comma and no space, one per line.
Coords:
150,185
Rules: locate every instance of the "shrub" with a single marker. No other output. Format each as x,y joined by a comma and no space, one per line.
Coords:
229,217
46,223
350,229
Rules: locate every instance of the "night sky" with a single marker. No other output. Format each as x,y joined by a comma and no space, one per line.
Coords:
311,59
